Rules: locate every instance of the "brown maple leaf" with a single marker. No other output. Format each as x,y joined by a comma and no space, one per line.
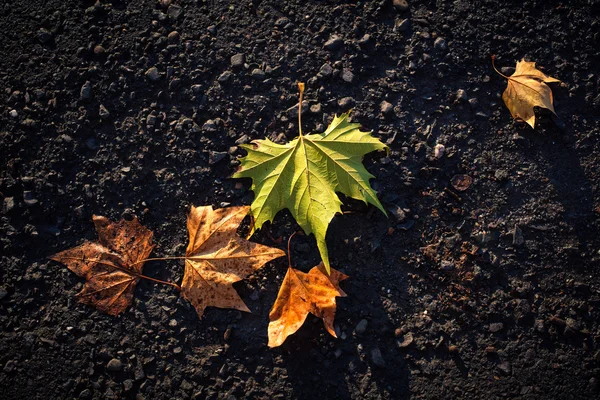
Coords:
113,266
303,293
217,256
527,89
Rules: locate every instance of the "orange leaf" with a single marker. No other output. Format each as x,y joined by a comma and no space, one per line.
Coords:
216,257
300,294
527,89
111,267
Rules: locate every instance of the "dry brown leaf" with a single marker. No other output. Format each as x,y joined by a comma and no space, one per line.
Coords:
527,89
217,256
300,294
112,266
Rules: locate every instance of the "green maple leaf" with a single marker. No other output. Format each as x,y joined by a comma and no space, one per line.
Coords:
304,175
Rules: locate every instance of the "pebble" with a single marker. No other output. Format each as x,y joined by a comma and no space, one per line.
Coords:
13,113
225,76
28,198
99,50
505,368
174,11
401,5
103,112
237,60
258,74
334,43
439,150
347,75
209,126
398,212
173,37
377,358
326,70
461,95
402,25
316,108
114,365
473,102
518,238
346,102
440,44
496,327
86,93
387,108
9,204
153,74
361,328
406,341
44,35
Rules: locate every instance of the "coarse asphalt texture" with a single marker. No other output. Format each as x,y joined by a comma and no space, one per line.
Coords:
482,283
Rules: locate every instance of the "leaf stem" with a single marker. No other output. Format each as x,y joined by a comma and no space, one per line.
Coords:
496,69
129,271
288,252
301,88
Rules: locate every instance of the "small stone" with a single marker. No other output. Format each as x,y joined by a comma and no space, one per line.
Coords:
258,74
473,102
518,239
326,70
174,11
28,198
9,366
496,327
361,328
461,95
173,323
401,5
346,102
153,74
225,76
237,60
216,156
387,108
86,93
281,22
402,25
127,385
505,368
99,50
103,112
9,204
44,35
209,126
572,325
173,37
13,113
440,44
439,150
447,265
334,43
398,212
406,341
316,108
347,75
377,358
114,365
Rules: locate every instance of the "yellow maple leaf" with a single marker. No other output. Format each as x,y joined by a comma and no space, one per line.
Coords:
527,89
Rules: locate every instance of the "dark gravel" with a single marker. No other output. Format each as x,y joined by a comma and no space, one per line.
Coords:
137,108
